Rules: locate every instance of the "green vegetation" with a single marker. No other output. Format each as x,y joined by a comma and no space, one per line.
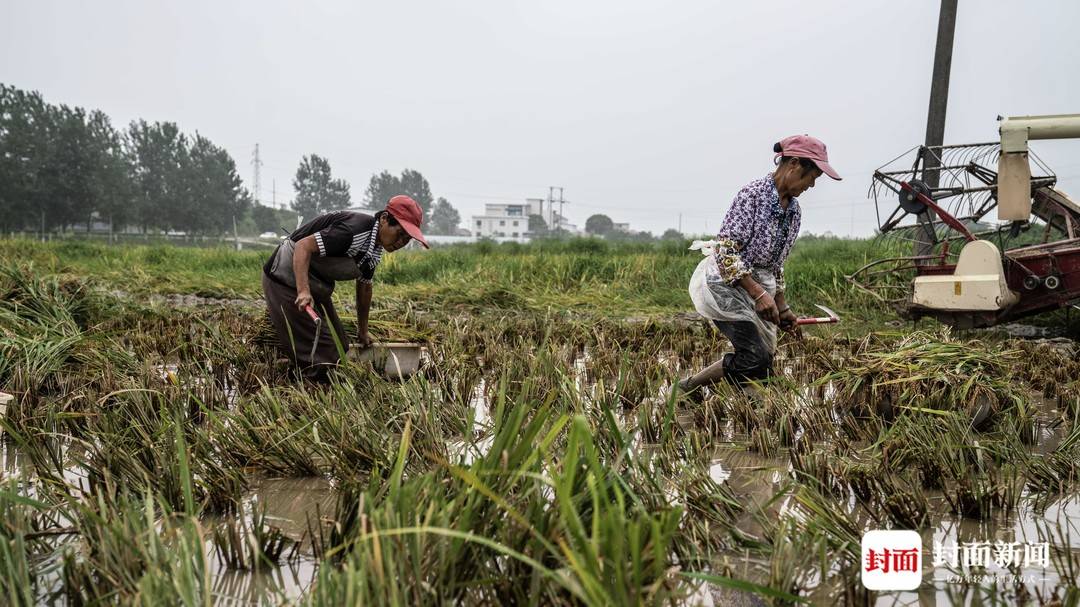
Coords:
586,275
538,458
62,165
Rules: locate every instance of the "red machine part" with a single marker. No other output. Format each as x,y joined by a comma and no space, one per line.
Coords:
1047,276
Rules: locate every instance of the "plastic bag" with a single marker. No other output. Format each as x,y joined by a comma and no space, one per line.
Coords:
715,299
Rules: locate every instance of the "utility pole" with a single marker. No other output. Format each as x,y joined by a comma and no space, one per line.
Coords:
680,223
273,192
935,119
257,163
561,202
551,208
939,88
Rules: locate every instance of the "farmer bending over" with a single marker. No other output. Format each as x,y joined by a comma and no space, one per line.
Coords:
343,245
740,287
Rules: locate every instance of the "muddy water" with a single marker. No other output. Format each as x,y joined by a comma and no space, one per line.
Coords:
756,479
294,504
281,585
290,504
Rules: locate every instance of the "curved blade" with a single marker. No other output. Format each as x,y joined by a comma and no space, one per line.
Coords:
833,315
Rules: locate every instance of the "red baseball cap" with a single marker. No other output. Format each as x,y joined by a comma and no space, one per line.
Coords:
805,146
409,215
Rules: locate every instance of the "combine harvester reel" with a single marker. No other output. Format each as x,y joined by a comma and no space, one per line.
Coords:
953,264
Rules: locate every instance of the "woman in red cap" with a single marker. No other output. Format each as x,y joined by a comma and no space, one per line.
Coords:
298,279
740,284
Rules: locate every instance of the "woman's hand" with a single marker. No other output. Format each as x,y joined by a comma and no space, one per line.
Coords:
766,308
303,299
788,323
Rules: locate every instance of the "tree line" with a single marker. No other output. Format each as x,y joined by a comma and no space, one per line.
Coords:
61,165
317,191
602,225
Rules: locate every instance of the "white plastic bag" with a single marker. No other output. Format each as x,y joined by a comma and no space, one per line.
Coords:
715,299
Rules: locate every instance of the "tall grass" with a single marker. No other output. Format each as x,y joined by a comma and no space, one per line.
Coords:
587,274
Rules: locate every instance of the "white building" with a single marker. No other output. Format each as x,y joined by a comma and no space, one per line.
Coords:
502,220
511,220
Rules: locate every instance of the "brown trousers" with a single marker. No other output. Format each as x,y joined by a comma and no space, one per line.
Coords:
296,331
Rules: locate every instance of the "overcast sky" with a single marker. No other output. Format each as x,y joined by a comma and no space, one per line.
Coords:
640,110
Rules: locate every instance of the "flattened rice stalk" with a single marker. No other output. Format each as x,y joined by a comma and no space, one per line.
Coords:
931,372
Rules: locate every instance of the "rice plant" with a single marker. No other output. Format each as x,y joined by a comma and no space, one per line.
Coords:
538,458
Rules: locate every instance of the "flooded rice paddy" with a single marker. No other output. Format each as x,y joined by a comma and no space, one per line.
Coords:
163,453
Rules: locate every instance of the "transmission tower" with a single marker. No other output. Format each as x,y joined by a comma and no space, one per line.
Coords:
257,163
557,218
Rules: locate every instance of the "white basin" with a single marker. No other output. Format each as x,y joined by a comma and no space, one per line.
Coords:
5,398
395,360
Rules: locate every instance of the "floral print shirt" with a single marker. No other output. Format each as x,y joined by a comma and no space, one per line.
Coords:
757,232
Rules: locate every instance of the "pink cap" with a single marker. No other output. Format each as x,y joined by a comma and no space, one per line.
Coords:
805,146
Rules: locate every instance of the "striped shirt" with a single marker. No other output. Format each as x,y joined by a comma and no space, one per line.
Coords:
346,234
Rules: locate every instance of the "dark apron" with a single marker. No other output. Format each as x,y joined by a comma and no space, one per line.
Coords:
325,271
296,332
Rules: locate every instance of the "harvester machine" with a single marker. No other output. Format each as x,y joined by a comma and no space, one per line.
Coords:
950,258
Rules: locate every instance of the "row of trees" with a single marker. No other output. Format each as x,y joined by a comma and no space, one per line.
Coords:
602,225
317,191
61,165
383,186
439,215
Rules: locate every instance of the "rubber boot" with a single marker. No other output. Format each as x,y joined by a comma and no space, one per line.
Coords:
694,387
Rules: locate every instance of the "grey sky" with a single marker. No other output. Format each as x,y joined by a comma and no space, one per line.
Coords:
641,110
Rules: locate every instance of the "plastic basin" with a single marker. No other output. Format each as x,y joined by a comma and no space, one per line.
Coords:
395,360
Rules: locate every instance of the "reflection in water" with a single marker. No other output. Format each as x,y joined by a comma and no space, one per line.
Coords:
284,583
468,450
291,505
69,453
